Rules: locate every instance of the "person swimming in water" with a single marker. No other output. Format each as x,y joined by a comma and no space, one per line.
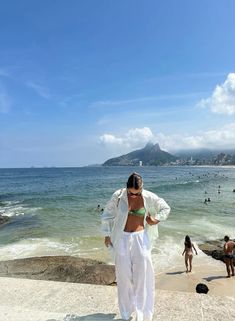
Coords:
188,252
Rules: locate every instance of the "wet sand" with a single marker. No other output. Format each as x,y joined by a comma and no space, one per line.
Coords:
214,276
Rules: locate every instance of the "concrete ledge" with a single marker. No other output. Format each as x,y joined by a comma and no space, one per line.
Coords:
34,300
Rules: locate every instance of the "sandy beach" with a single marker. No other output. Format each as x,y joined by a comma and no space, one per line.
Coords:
215,278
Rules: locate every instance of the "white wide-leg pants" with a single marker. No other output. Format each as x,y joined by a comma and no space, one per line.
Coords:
135,276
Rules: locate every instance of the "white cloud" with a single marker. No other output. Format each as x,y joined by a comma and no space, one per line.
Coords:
111,139
41,91
138,135
222,100
135,138
223,138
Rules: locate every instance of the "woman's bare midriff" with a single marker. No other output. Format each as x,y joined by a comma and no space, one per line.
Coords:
134,223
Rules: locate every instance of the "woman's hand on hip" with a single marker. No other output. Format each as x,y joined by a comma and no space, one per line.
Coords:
107,241
151,221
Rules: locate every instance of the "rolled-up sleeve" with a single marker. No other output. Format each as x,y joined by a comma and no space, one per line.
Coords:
162,208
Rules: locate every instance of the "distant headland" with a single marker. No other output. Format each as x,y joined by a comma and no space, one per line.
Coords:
153,155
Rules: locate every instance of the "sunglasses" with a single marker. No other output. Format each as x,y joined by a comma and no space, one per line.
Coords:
136,194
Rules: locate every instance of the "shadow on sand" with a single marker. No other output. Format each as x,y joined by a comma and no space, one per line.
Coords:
91,317
211,278
174,273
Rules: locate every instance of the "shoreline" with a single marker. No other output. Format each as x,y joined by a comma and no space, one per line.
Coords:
69,269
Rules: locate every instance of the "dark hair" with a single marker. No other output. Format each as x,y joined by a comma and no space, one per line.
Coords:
226,238
202,288
187,242
134,181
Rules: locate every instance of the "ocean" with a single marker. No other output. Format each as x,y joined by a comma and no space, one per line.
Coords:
53,211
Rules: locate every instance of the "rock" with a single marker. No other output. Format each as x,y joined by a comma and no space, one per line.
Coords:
4,219
60,268
214,249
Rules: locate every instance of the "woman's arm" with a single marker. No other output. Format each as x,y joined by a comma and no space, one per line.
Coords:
162,208
108,216
194,248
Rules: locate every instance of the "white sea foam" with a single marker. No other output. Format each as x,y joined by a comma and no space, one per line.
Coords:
16,208
212,230
63,216
37,247
167,255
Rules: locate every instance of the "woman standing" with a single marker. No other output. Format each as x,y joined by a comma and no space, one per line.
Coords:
188,251
129,224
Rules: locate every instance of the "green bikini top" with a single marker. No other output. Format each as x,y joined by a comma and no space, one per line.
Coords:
139,212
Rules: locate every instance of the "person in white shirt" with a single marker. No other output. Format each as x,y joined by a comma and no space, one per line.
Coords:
129,225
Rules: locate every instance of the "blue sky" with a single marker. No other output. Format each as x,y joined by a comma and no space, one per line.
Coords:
83,81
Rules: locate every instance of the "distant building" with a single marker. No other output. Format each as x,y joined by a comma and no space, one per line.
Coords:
140,163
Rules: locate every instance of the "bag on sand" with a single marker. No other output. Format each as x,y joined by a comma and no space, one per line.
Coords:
202,288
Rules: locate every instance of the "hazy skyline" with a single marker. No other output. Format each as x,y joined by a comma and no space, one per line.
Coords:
84,81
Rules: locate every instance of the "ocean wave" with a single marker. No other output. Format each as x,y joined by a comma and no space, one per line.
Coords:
37,247
178,186
167,255
16,208
208,229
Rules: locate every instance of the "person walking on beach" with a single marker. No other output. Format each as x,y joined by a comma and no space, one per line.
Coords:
229,255
129,225
188,252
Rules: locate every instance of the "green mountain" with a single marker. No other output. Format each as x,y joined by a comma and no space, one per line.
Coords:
149,155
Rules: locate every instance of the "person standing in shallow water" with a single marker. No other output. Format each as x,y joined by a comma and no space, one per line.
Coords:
188,253
229,247
129,225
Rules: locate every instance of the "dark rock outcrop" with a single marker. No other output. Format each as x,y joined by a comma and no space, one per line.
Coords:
214,249
4,219
60,268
